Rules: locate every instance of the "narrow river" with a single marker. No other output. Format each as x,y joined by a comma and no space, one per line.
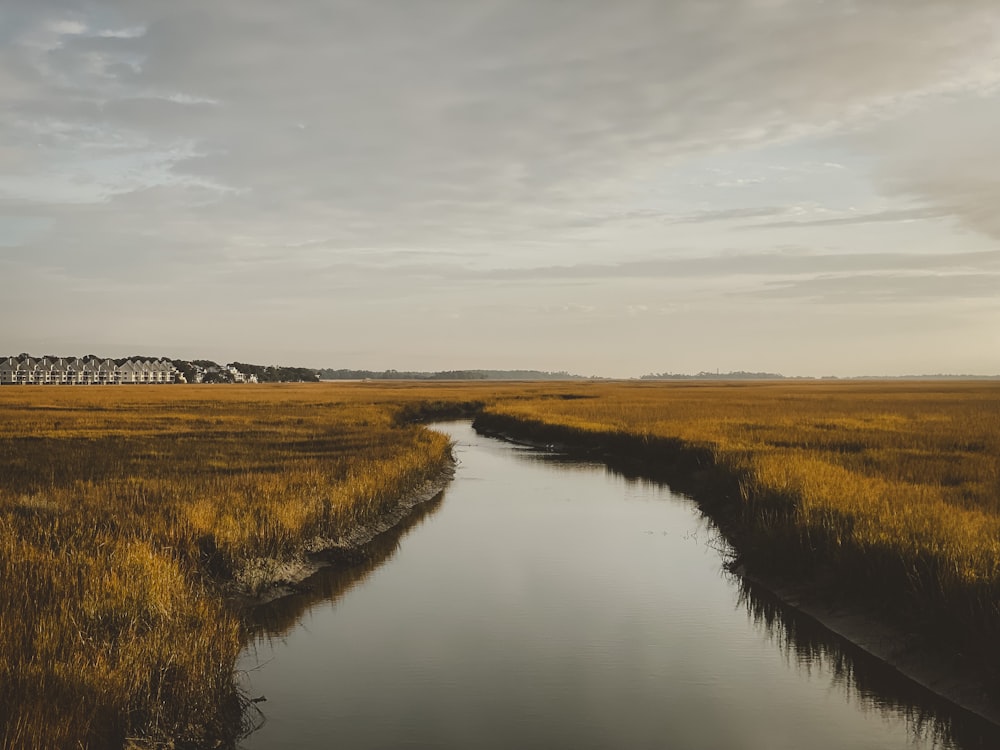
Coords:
546,603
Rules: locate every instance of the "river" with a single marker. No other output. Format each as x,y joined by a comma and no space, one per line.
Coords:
542,602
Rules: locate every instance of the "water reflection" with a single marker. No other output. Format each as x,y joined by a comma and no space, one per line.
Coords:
275,619
870,682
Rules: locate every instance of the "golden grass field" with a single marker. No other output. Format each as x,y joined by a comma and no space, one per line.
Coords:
126,513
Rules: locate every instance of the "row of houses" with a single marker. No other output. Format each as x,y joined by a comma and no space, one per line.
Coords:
87,371
219,374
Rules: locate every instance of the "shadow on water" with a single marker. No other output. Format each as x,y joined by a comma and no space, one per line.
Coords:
870,682
277,618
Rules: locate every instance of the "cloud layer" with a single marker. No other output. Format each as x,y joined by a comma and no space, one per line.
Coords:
263,166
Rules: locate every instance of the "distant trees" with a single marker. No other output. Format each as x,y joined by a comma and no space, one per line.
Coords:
704,375
276,374
217,375
186,368
345,374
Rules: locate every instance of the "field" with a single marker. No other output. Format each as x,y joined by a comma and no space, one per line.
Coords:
125,515
128,515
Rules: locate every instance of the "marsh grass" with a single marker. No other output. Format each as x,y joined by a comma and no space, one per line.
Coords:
125,516
890,489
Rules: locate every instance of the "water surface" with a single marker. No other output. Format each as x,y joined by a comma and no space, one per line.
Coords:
547,603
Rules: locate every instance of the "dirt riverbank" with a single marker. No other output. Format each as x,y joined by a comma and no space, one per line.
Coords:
266,579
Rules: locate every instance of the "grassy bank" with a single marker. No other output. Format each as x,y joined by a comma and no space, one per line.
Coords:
128,514
887,491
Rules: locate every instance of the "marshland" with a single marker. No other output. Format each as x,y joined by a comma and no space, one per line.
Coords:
128,517
890,490
135,524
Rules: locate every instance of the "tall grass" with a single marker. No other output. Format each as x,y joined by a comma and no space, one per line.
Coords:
892,489
127,514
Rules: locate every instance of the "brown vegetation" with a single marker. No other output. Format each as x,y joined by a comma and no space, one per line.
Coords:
127,514
124,513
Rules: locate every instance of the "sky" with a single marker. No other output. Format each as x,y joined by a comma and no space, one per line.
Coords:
799,186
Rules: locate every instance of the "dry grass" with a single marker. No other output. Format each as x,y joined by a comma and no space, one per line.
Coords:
123,511
894,487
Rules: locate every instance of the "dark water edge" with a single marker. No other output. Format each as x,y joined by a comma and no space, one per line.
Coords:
873,682
803,643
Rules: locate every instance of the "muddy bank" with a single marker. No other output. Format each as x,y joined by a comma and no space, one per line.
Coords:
277,617
952,670
266,579
950,674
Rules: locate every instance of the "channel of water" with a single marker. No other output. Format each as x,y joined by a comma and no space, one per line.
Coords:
542,602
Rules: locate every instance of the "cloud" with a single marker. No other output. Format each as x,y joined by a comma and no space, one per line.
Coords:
350,148
729,214
889,215
493,107
944,157
772,264
885,288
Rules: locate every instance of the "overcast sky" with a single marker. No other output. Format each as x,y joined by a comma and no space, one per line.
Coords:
609,188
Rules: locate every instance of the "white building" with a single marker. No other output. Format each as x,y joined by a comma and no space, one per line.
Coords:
26,370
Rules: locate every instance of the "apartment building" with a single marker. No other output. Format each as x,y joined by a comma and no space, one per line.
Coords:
25,370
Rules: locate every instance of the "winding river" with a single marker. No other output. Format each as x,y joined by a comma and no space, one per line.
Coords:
541,602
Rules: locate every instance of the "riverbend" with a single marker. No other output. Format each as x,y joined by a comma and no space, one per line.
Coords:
544,602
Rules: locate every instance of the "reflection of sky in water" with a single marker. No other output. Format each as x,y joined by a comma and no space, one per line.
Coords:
547,605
